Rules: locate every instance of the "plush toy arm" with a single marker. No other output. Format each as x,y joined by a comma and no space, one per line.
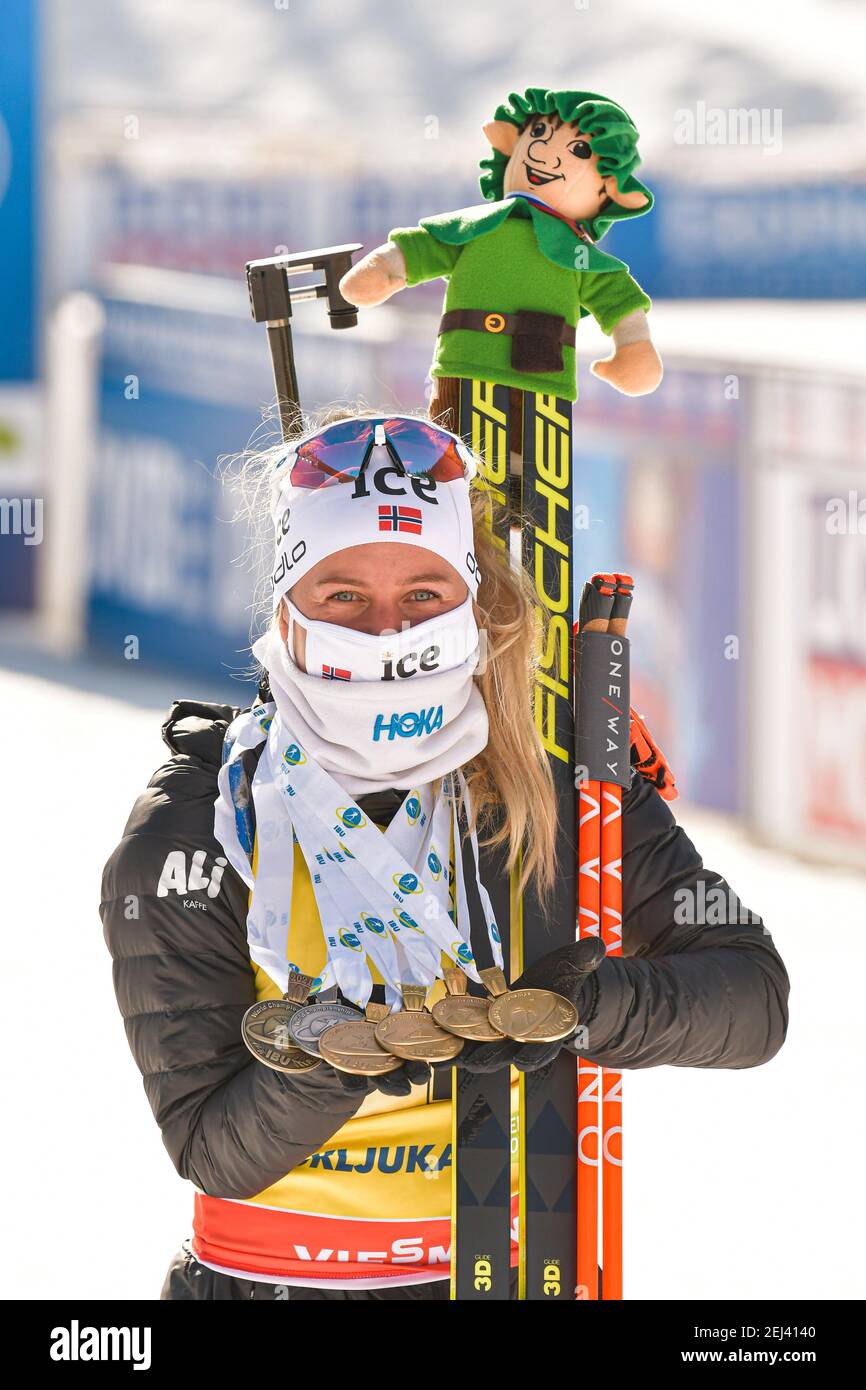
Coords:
634,328
425,257
374,279
610,296
619,306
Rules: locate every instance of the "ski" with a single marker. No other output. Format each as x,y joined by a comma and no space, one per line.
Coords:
548,1101
481,1104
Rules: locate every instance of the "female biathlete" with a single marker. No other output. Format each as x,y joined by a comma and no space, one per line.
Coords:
301,868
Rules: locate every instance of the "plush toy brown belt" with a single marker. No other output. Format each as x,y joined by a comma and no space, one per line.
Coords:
537,338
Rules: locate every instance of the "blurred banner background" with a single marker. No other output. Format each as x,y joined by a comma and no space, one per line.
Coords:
178,144
149,149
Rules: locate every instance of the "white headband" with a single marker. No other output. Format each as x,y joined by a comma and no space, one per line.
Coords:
381,504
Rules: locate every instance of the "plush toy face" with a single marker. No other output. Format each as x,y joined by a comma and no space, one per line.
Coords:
555,162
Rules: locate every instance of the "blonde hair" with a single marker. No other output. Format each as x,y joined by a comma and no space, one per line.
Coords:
510,784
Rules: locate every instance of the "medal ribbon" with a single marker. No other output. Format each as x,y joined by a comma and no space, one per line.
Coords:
385,895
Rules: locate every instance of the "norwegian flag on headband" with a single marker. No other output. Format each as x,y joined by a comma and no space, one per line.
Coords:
335,673
400,519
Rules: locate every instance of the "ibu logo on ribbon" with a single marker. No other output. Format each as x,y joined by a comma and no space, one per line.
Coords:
434,864
293,756
348,939
407,883
405,920
373,924
462,953
352,817
413,807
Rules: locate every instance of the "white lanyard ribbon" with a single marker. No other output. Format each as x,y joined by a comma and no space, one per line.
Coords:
382,895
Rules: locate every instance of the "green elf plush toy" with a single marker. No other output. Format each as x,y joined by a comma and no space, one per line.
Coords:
523,267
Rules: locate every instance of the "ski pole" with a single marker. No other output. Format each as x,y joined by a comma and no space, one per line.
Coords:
611,935
595,607
271,302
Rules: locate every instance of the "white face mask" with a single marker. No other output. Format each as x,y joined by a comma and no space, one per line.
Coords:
378,733
341,653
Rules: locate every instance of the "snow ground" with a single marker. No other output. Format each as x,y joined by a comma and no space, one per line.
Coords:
738,1184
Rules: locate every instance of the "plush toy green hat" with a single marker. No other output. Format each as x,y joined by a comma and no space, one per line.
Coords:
612,135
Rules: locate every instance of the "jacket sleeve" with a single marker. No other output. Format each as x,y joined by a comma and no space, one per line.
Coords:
700,983
173,915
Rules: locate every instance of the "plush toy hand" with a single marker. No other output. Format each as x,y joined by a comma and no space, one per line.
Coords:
567,972
375,278
635,368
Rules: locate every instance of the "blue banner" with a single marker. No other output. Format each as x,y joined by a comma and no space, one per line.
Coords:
18,141
658,495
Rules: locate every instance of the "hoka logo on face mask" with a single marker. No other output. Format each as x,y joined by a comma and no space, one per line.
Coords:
410,725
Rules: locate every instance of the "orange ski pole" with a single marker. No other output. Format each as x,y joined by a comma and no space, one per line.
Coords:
595,607
611,935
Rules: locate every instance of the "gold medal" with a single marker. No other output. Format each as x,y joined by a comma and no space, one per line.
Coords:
462,1013
265,1028
413,1034
352,1046
528,1015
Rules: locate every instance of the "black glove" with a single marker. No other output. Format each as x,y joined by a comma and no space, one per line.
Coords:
392,1083
487,1057
567,971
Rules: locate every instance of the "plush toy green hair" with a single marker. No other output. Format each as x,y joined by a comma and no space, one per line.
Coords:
611,132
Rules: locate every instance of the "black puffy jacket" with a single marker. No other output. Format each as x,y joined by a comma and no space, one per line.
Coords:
686,995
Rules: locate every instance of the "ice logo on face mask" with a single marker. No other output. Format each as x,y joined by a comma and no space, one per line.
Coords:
462,952
348,938
351,816
407,883
294,756
434,864
373,924
412,724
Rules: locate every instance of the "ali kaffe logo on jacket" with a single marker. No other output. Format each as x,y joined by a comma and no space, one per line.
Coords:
412,724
